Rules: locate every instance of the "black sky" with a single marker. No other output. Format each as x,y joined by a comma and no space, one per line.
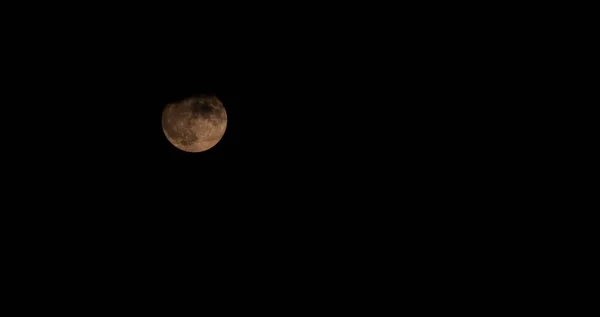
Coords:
325,121
353,140
358,139
298,114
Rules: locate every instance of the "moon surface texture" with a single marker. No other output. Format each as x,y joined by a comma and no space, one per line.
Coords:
195,124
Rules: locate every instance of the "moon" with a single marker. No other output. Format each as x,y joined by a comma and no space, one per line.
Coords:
195,124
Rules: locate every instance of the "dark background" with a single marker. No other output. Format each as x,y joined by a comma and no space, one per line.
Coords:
353,140
337,132
315,118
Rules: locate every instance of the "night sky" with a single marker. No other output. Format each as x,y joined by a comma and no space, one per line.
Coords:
356,140
324,126
305,124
